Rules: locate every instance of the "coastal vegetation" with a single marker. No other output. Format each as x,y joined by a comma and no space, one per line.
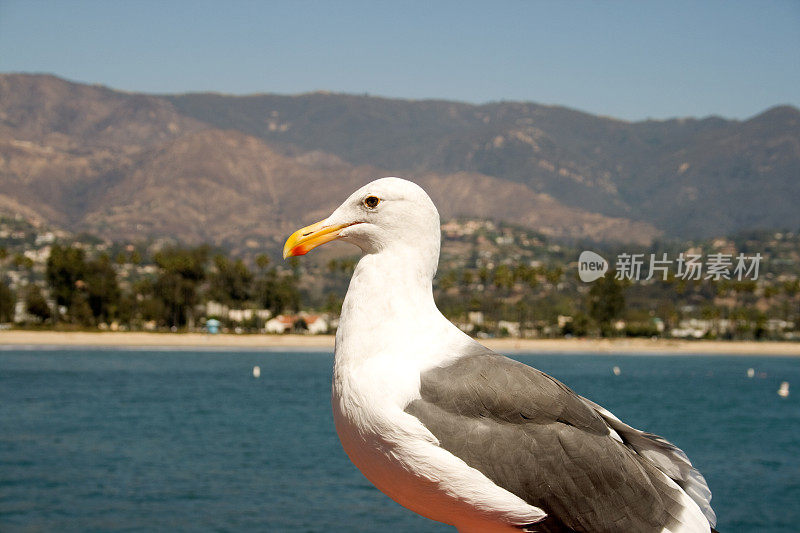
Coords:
494,280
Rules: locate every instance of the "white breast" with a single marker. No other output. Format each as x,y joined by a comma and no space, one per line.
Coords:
390,331
402,458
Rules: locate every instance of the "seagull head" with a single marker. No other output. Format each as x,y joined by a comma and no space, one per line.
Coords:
388,213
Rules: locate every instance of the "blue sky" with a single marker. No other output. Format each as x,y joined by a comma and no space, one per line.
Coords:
630,60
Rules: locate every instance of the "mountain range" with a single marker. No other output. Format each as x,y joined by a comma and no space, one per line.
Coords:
245,170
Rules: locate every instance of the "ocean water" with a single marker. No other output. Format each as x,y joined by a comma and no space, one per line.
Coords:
133,440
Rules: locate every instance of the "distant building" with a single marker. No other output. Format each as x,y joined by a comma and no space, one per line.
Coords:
475,317
692,328
21,312
280,324
38,255
45,238
217,309
300,323
511,327
466,327
317,324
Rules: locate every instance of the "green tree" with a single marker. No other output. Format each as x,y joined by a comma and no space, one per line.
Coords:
483,275
579,325
554,275
66,266
262,261
148,305
232,282
8,301
178,284
448,280
278,293
522,310
89,289
102,290
36,304
21,261
79,309
503,277
606,302
333,303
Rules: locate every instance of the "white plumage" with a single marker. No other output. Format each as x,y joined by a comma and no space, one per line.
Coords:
390,342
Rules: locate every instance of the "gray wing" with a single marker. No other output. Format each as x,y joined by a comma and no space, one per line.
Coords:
536,438
666,457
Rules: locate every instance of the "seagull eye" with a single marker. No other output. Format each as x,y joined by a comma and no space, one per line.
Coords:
371,202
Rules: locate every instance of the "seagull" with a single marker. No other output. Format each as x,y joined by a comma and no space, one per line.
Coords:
460,434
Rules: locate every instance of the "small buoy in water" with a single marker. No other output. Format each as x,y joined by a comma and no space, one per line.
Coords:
617,371
751,372
256,371
783,391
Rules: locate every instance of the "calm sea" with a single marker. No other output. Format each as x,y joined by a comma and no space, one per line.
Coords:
132,440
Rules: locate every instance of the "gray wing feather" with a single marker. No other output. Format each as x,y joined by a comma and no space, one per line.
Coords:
535,437
666,457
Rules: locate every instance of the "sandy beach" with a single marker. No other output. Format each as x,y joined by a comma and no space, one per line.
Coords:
12,338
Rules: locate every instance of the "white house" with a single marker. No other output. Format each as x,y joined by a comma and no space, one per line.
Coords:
280,324
315,324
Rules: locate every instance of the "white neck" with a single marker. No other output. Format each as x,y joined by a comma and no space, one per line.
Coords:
389,304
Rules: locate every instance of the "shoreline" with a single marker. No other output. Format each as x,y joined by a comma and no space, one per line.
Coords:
20,338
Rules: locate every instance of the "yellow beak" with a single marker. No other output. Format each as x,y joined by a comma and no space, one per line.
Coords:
306,239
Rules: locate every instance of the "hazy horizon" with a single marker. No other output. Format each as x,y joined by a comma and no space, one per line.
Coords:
422,99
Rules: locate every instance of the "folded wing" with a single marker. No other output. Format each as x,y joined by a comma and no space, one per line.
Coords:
533,436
